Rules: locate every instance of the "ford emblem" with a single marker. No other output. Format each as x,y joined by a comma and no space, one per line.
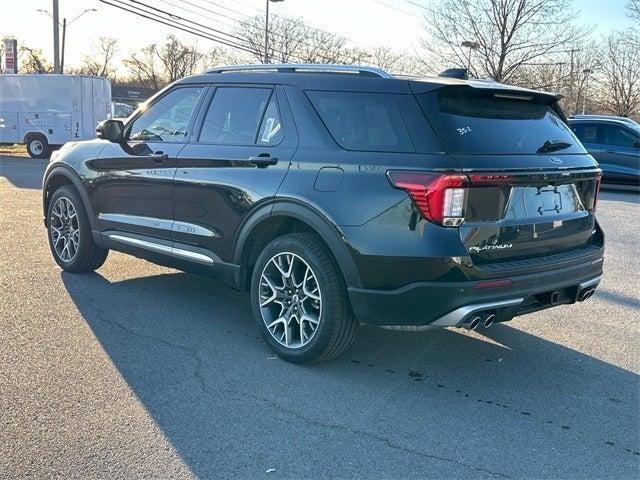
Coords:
555,160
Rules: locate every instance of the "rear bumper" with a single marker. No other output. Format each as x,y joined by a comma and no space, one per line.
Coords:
439,304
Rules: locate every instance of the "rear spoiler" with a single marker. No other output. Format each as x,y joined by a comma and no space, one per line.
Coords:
499,90
429,85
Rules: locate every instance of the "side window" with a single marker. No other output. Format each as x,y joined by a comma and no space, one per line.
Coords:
271,132
167,119
586,132
234,115
618,136
363,121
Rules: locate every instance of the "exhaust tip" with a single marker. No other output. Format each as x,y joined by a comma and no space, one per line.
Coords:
474,323
587,294
489,320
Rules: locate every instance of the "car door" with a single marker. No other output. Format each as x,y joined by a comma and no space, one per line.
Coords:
135,186
238,160
589,135
620,156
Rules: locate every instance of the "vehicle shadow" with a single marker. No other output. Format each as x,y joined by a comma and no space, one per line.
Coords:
23,172
399,404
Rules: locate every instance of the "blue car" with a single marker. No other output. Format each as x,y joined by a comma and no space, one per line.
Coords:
615,143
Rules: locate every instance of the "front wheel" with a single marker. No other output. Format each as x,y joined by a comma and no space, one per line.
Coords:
299,300
69,233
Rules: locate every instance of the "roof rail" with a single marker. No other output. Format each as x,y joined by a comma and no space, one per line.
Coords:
304,68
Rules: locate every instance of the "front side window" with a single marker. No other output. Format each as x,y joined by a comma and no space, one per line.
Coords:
167,119
363,121
234,116
619,136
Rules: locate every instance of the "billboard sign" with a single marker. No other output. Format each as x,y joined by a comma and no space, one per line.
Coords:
10,55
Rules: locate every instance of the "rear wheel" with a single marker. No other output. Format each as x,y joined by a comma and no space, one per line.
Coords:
69,233
38,146
300,301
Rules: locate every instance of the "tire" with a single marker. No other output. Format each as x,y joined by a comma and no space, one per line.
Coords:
316,287
38,146
86,256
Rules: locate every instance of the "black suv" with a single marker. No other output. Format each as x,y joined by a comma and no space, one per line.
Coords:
338,196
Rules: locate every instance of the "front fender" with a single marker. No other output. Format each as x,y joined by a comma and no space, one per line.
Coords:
63,170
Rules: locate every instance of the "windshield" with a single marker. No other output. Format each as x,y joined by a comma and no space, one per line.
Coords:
471,122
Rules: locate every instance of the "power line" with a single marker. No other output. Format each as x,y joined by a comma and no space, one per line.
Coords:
184,28
322,52
286,19
397,9
177,17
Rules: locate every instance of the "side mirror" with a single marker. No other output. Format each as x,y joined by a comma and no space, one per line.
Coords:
110,130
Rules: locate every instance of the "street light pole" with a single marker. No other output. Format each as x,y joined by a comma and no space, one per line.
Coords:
266,31
59,64
471,46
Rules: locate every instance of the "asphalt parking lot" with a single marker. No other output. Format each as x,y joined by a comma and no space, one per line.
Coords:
142,371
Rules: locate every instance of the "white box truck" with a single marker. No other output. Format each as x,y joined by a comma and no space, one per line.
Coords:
45,111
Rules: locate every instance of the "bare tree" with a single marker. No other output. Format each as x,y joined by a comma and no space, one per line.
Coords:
293,41
633,8
33,61
143,67
620,79
177,59
510,34
99,63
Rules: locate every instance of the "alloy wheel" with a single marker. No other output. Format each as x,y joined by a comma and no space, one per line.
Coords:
290,300
64,230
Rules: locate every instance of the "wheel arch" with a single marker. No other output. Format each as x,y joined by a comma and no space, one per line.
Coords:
287,216
57,177
34,134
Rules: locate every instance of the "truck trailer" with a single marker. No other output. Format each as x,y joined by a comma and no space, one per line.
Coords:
46,111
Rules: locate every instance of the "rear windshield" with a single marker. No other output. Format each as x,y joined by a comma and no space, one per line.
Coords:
363,121
471,122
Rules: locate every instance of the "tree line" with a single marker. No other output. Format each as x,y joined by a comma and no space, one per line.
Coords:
530,43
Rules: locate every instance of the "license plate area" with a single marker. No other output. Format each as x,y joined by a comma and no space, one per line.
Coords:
542,203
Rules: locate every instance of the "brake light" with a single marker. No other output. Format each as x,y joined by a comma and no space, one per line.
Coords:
595,198
440,198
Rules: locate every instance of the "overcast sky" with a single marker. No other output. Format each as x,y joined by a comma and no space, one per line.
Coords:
396,23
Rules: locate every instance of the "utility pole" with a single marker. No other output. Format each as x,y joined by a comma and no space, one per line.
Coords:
56,38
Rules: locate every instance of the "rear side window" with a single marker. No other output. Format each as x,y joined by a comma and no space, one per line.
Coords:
468,121
362,121
586,132
234,115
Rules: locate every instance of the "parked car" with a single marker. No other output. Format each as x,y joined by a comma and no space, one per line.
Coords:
45,111
340,195
615,144
628,120
120,110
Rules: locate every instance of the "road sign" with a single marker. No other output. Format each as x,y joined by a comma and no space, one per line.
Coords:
10,55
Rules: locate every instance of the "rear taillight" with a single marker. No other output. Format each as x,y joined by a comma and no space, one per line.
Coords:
595,198
440,198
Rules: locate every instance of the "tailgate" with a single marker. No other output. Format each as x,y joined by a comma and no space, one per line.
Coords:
512,216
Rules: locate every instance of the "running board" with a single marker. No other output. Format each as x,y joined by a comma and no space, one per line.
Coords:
160,248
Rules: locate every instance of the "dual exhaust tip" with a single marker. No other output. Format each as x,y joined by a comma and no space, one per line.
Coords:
486,320
586,294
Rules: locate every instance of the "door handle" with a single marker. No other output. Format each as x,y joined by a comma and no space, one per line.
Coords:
263,160
158,157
